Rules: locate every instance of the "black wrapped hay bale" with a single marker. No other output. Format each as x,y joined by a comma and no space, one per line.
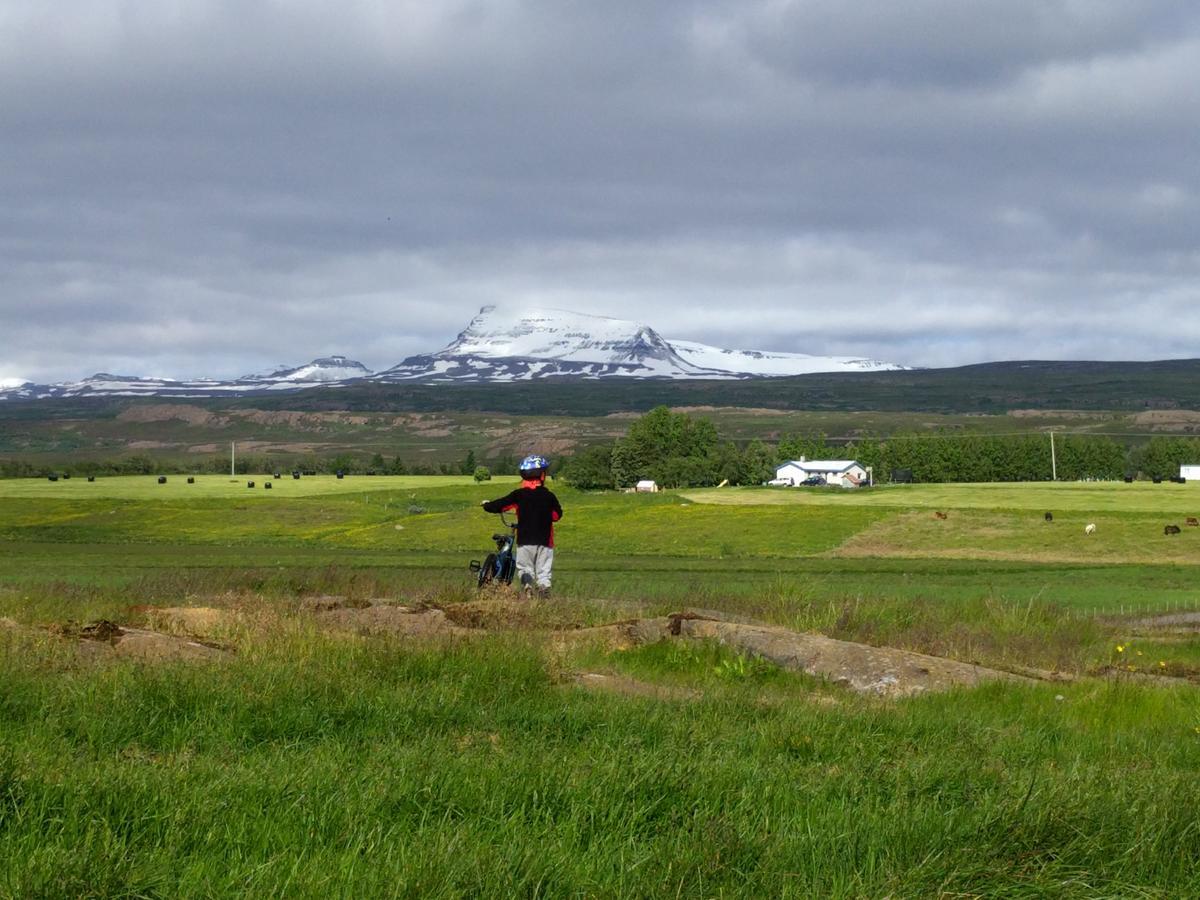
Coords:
191,480
91,478
52,478
249,484
296,476
341,474
66,476
1129,479
276,475
267,485
162,479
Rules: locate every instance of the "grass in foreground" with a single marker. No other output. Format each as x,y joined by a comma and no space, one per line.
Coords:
314,765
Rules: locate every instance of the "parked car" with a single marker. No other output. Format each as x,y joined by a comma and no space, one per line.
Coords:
812,481
780,482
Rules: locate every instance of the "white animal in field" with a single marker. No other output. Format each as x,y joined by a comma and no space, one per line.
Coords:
1090,528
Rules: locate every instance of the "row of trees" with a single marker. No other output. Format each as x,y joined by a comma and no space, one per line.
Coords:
351,464
677,451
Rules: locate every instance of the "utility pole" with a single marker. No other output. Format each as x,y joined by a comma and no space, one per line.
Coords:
1053,461
232,452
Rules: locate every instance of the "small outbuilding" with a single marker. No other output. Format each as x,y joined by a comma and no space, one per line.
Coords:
1189,473
839,472
646,486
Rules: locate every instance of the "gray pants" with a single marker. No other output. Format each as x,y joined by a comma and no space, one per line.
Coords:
533,564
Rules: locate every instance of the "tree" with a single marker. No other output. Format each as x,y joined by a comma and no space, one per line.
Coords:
469,463
590,469
482,473
658,441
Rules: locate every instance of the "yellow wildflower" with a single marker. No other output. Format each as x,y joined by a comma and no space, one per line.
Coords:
1120,648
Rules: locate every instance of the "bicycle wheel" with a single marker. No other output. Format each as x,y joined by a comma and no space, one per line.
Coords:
508,568
488,570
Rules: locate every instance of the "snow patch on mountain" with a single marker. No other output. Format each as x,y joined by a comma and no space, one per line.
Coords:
520,345
499,344
320,371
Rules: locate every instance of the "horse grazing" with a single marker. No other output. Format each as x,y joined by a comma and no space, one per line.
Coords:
940,515
1049,517
1192,520
1171,529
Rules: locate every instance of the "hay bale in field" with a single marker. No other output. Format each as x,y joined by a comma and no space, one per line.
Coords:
66,476
296,476
341,474
52,478
91,478
191,480
276,475
1129,479
249,484
266,485
162,479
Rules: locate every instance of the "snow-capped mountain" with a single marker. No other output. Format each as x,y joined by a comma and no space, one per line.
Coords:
327,371
498,345
519,345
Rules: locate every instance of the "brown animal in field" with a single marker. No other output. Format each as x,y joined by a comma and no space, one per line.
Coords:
1193,521
1171,529
1049,517
940,515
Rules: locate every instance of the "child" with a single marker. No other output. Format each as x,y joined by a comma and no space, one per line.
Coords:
537,511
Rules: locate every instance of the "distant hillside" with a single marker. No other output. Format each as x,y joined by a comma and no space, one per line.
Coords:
986,388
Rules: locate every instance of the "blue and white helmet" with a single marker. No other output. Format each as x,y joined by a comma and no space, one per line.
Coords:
533,464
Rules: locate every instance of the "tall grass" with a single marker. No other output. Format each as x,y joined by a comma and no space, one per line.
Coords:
315,765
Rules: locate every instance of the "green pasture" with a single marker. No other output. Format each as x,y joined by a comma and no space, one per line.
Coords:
331,764
177,490
1167,499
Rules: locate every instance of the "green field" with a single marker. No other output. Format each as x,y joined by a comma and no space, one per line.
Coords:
314,762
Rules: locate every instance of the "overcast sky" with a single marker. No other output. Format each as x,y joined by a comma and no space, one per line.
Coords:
211,187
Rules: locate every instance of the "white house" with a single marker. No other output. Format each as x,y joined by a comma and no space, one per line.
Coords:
1191,473
841,472
646,486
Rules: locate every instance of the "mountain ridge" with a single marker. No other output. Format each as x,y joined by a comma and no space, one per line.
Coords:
498,345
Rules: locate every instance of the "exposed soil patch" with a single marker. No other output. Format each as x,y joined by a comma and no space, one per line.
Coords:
166,412
382,618
884,671
1169,623
107,640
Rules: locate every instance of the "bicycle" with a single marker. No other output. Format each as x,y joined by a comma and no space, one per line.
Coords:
501,565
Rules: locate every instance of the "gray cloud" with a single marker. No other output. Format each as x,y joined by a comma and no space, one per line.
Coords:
213,187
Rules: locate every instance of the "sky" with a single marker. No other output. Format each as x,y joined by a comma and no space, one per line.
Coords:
214,187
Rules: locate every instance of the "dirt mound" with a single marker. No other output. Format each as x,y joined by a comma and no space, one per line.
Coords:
107,640
195,621
153,646
390,618
883,671
498,611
